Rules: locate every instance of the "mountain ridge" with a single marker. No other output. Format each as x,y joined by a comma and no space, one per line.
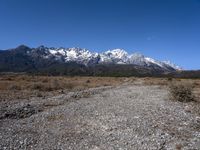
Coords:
118,56
40,58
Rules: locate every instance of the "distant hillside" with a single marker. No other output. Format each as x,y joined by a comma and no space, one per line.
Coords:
77,61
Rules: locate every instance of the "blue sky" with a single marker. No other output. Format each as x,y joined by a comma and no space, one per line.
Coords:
162,29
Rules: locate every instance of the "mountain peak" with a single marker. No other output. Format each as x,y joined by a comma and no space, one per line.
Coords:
78,49
137,55
117,53
41,47
22,46
21,49
172,65
86,57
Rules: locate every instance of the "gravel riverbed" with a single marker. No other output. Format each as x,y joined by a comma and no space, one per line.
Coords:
134,117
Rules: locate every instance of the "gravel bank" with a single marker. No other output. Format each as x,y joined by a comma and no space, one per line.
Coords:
124,117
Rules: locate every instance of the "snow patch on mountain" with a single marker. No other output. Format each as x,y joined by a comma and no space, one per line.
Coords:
118,56
115,56
117,53
172,65
151,60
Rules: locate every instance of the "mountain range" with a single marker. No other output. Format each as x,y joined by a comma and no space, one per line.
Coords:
43,59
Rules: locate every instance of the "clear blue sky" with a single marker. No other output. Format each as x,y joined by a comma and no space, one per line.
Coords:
162,29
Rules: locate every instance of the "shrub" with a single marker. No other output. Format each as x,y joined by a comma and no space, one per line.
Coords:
69,86
55,85
88,81
181,92
37,86
39,94
169,79
45,80
14,87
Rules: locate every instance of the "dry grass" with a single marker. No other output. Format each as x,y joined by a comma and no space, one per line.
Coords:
185,89
55,117
24,86
181,91
157,81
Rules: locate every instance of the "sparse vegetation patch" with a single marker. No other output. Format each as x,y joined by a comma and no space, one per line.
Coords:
24,86
181,91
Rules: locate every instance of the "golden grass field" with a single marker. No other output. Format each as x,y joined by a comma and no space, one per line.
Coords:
60,103
25,86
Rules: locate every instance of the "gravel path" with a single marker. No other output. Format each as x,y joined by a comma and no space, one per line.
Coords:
125,117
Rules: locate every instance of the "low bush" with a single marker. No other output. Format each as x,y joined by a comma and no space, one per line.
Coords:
182,92
15,87
37,86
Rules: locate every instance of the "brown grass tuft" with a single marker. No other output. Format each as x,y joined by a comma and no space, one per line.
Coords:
26,86
14,87
181,91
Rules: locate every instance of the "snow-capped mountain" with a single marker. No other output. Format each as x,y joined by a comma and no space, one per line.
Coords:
116,56
172,65
24,58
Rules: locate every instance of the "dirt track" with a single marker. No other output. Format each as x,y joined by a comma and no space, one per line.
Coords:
124,117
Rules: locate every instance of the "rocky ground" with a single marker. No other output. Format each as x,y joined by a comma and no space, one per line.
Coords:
129,116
